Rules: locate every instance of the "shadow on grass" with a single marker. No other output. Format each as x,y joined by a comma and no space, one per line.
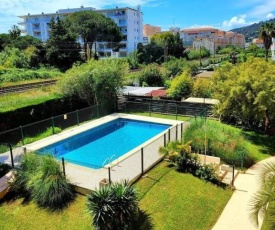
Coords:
265,141
141,221
157,179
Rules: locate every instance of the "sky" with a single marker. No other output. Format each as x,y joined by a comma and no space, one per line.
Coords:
220,14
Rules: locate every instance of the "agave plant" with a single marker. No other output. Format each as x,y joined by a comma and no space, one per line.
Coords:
113,206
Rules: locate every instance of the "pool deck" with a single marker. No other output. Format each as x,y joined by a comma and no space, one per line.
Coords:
78,175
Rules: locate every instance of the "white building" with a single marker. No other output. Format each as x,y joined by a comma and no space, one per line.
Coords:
127,19
273,49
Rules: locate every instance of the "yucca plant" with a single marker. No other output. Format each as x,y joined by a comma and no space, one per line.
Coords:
113,206
49,186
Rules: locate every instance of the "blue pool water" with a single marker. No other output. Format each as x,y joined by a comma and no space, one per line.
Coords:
94,148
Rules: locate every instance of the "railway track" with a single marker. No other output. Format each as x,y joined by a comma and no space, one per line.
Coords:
24,87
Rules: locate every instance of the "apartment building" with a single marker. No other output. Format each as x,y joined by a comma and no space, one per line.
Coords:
214,37
149,30
129,20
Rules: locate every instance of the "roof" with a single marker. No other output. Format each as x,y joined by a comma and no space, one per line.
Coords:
157,93
199,29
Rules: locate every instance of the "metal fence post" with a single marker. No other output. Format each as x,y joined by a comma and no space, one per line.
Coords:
22,134
233,175
176,111
63,166
109,174
97,110
77,117
169,135
12,162
164,139
181,130
142,162
150,109
176,132
52,125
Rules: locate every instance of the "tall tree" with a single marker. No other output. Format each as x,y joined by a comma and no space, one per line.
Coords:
62,50
267,32
14,32
171,41
246,93
93,27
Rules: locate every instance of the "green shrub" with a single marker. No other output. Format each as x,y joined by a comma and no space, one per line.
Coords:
151,76
196,54
181,86
175,66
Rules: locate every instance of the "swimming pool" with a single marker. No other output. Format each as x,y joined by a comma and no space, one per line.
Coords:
102,144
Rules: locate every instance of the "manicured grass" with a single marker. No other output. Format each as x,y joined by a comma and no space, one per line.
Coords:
180,201
13,101
18,216
174,200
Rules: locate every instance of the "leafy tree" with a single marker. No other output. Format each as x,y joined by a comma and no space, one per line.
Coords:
267,32
151,76
265,195
4,40
133,60
202,88
181,86
246,93
114,206
95,82
93,27
172,41
175,66
61,47
150,53
14,32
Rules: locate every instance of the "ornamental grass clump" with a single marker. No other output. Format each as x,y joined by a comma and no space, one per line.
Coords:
41,179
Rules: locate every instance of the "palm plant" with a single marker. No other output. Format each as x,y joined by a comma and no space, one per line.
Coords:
180,155
267,32
264,195
113,206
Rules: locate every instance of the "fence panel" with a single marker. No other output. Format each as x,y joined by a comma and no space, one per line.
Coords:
151,152
13,137
34,129
85,177
17,153
127,169
65,121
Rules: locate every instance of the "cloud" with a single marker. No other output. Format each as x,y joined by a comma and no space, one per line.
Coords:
262,9
270,15
234,22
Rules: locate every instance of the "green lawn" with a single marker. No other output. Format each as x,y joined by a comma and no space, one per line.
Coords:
174,201
180,201
13,101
